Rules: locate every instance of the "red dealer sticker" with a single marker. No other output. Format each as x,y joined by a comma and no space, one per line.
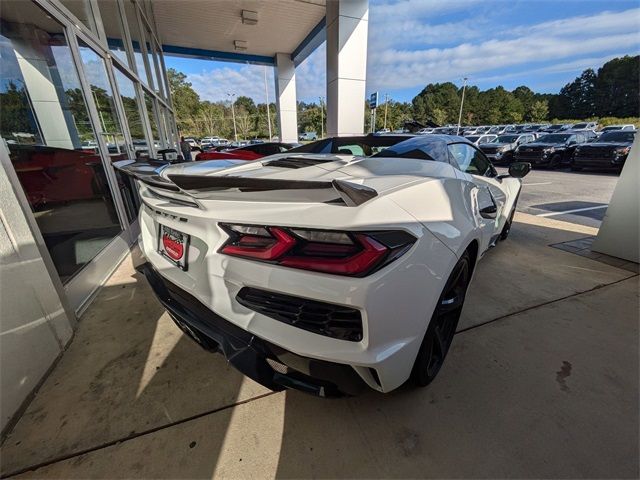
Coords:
173,246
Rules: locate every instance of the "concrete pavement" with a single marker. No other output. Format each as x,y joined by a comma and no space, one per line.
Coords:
541,381
582,196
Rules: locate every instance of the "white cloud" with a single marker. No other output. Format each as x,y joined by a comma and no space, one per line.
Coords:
409,47
564,67
214,84
550,41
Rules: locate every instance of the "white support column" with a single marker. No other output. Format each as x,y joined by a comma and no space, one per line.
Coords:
347,26
286,98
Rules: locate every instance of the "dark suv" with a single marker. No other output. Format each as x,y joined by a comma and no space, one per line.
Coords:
552,150
609,151
500,151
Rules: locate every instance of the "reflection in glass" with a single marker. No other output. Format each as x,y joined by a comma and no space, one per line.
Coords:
133,119
102,94
151,57
113,28
51,141
153,119
134,31
82,10
131,109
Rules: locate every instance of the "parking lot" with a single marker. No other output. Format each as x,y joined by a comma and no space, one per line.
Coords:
541,381
575,197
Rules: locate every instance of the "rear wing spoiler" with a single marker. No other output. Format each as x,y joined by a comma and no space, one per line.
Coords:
228,187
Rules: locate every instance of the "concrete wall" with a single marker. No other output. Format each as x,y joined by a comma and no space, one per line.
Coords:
619,235
34,324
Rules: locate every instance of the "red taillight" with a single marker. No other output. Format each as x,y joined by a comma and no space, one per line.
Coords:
269,246
340,253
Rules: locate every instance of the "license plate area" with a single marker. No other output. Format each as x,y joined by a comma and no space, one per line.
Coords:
174,246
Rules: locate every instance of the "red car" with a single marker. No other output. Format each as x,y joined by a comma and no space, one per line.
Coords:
250,152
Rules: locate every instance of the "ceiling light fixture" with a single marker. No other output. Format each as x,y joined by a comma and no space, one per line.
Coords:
249,17
240,44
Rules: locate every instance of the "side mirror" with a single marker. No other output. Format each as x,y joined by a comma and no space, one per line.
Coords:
519,169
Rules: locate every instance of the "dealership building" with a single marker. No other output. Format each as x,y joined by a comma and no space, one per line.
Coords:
84,85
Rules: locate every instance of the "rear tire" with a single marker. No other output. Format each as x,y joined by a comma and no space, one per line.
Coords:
442,327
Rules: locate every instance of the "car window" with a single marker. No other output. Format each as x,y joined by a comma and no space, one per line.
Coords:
620,136
353,149
469,159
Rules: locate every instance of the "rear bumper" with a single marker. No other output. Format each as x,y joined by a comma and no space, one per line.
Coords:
263,362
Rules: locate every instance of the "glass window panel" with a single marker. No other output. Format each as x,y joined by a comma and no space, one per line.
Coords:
51,141
102,93
132,111
134,31
133,119
158,67
82,10
163,73
113,28
153,119
150,56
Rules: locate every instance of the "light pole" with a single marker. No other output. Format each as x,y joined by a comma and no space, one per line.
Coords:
233,115
386,104
321,118
464,86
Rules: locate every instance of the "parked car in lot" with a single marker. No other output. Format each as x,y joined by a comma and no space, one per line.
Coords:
611,128
589,134
552,150
248,152
422,131
559,127
501,150
480,139
585,126
445,130
308,136
500,129
193,142
608,152
294,271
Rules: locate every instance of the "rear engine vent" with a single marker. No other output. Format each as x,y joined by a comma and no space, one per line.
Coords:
296,162
322,318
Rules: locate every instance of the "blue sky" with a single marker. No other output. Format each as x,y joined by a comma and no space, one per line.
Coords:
543,44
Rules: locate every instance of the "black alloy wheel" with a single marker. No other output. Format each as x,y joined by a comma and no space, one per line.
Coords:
444,322
556,161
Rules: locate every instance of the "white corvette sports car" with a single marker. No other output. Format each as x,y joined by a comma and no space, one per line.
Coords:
325,273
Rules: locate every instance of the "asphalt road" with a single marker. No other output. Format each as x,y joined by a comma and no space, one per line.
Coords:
576,197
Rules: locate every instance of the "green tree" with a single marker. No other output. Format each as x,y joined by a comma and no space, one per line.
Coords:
617,88
16,116
578,97
539,111
186,102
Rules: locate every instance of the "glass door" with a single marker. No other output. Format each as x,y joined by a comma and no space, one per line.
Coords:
57,147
